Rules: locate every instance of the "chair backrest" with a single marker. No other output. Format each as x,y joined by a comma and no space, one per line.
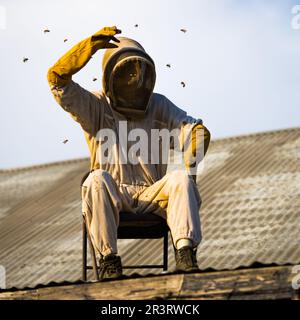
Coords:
84,178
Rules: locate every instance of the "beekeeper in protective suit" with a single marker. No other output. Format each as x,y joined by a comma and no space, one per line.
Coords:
143,186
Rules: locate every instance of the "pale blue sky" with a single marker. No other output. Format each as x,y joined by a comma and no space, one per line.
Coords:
240,61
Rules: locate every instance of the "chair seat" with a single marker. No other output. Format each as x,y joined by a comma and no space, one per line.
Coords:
141,226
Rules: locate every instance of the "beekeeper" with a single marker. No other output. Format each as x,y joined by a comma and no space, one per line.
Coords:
118,181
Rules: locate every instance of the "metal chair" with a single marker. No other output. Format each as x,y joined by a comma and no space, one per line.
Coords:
131,226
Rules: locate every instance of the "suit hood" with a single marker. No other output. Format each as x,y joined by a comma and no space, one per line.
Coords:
116,63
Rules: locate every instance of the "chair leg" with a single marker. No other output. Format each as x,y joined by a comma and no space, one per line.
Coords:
93,255
84,253
166,247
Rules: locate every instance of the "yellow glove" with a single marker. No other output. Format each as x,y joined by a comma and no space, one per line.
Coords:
76,58
199,144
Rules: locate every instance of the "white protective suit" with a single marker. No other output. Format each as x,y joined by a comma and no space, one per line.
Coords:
112,186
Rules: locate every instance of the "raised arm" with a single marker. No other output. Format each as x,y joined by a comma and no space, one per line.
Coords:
81,103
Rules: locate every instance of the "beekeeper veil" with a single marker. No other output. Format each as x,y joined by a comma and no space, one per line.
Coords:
128,77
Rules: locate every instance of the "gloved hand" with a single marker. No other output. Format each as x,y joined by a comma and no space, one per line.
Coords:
198,144
105,35
75,59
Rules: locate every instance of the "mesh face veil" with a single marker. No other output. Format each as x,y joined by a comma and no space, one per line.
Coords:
129,78
131,84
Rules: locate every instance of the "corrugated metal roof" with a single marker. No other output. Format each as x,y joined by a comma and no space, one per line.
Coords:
250,187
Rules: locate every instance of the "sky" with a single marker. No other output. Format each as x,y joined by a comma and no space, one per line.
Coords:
239,60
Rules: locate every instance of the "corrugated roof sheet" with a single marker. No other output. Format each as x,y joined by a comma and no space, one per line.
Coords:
250,187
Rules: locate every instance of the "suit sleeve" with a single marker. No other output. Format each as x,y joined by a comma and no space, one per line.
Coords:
83,105
194,137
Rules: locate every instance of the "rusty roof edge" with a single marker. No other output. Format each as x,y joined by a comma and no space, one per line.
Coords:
254,265
263,283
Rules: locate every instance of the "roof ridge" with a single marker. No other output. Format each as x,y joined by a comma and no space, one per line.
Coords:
69,161
43,165
261,133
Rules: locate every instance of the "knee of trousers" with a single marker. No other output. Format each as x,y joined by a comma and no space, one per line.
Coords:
100,183
100,186
100,178
181,181
180,178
